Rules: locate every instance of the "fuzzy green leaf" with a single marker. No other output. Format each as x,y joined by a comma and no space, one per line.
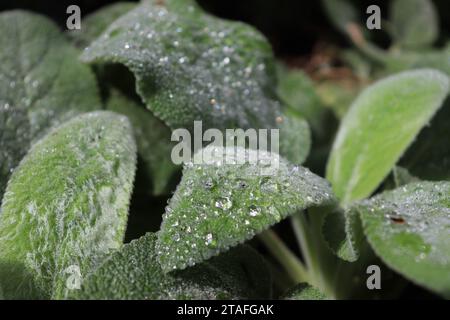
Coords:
408,228
42,84
304,291
191,66
218,204
379,127
66,205
153,142
415,23
95,23
134,273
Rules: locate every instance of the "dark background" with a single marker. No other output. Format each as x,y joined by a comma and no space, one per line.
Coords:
292,26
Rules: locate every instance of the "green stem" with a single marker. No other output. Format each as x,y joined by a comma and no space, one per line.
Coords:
293,266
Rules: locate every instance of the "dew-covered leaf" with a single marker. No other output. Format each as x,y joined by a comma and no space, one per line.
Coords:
341,13
415,23
42,84
402,176
218,204
295,138
380,125
66,205
95,23
304,291
408,228
429,156
134,273
152,139
191,66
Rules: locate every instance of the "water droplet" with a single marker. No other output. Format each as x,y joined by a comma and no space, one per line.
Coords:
254,211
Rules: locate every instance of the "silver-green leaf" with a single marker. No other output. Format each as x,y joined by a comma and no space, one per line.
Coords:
408,228
189,65
66,205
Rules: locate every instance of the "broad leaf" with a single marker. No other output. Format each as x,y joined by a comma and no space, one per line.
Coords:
66,205
429,156
409,230
295,138
41,84
304,291
415,23
218,204
134,273
153,142
379,127
95,23
190,66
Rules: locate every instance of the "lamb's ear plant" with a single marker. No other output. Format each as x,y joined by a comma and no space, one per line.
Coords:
69,167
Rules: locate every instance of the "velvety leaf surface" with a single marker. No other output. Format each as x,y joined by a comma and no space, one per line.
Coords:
415,22
42,84
408,228
95,23
295,138
343,234
378,128
134,273
429,156
191,66
218,204
153,141
304,291
66,205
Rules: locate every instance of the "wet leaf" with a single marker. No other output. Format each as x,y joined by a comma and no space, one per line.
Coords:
191,66
341,13
153,141
218,205
370,140
66,205
42,84
415,23
408,228
134,273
